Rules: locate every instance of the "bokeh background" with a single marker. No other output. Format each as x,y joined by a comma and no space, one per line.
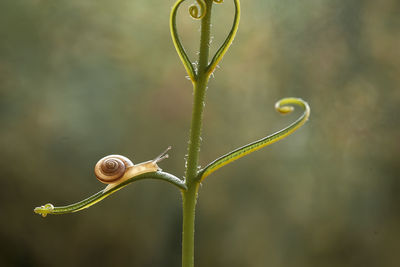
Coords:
83,79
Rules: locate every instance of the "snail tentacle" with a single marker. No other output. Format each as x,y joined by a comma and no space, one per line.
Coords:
162,156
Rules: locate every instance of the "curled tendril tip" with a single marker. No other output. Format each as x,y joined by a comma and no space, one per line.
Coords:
196,12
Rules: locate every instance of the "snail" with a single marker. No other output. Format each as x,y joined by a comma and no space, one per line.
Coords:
115,169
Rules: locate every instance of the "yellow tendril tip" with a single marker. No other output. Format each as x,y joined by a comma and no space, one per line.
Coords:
283,110
44,210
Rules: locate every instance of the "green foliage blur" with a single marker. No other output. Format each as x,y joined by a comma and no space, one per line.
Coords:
83,79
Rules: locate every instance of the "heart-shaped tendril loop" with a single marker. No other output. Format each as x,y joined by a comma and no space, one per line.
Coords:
197,11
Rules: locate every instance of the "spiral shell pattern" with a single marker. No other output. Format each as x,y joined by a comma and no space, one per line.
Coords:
111,168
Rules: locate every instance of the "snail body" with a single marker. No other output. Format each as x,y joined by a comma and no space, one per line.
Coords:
115,169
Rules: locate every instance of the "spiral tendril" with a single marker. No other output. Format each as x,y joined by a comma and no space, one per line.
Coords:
283,106
196,12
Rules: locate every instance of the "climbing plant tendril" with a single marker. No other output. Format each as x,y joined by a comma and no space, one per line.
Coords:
263,142
118,171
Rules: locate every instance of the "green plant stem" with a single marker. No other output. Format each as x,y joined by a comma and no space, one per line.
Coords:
189,208
190,196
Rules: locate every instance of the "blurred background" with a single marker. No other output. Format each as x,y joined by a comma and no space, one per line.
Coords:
83,79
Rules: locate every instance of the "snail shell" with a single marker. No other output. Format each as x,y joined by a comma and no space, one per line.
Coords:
112,168
115,169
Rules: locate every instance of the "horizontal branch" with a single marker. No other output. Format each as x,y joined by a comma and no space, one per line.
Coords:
86,203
